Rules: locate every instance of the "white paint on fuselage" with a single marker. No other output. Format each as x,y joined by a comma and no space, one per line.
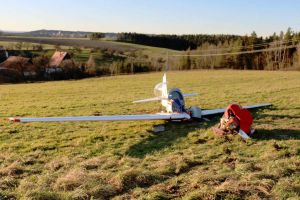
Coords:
166,102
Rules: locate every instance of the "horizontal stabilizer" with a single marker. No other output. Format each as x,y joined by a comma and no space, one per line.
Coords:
161,98
150,99
191,95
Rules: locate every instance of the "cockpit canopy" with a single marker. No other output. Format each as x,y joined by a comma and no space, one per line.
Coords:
177,99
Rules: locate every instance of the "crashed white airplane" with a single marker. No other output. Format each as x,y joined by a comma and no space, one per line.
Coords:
172,101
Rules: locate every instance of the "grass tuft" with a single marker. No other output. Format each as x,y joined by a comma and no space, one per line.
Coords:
71,180
14,169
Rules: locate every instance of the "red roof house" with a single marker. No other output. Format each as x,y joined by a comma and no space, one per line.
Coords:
56,60
21,65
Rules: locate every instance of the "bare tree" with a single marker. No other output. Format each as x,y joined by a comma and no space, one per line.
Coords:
91,66
297,61
277,59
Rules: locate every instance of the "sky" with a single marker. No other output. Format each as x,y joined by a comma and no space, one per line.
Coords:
153,16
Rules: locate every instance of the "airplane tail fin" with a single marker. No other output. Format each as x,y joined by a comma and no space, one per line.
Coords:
160,92
164,87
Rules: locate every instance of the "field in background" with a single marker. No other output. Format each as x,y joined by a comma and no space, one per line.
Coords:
104,52
124,160
86,43
68,42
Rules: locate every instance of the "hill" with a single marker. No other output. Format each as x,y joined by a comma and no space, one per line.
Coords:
69,42
56,33
126,160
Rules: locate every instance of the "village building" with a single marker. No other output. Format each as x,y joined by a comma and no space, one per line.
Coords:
56,60
22,66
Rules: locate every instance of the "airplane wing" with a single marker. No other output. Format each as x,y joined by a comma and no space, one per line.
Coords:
158,116
219,111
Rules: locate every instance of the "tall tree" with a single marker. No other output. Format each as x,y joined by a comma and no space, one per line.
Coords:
288,35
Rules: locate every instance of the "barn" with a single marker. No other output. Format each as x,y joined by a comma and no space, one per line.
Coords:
56,60
22,66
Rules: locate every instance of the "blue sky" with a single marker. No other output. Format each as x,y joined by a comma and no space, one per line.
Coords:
153,16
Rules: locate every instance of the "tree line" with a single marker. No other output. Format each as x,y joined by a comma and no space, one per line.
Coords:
96,36
176,42
276,52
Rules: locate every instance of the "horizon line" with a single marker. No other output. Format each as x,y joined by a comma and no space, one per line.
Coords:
179,34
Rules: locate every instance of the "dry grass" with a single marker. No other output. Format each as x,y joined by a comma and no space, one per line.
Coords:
124,160
70,181
13,169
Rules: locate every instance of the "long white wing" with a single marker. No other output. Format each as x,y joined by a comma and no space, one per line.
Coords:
257,106
158,116
218,111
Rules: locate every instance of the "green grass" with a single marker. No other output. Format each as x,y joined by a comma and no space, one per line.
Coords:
12,45
100,58
83,56
125,160
146,50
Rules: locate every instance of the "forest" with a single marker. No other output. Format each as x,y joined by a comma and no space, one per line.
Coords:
278,51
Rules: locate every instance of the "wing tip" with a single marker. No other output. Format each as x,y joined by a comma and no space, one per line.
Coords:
266,105
137,101
13,119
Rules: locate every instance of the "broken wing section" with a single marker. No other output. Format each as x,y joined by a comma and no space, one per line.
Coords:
158,116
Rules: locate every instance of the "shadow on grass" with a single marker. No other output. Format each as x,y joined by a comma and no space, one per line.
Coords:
279,116
277,134
175,131
158,141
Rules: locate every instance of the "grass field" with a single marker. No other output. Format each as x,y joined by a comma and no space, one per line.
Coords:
11,45
49,43
69,42
126,160
86,43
